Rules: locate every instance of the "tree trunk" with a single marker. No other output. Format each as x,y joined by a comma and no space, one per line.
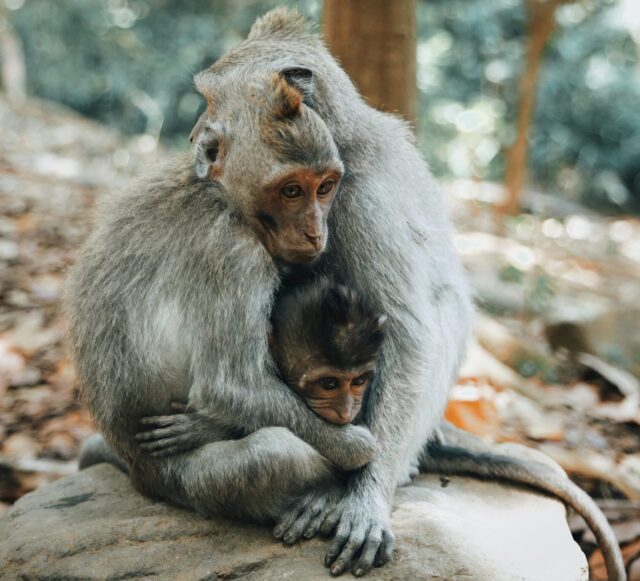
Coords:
12,64
541,22
375,41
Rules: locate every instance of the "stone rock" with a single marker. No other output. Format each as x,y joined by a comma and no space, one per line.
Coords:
94,525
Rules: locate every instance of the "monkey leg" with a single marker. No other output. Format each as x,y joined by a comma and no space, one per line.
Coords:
254,478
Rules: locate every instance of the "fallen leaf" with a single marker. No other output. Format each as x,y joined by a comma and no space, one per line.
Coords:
30,335
597,567
21,445
36,402
472,408
535,421
12,364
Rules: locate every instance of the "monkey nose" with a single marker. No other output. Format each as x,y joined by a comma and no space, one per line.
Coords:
345,412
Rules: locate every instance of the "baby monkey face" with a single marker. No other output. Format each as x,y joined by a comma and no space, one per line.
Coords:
335,394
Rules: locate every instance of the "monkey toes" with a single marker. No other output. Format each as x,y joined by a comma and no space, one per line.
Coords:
305,517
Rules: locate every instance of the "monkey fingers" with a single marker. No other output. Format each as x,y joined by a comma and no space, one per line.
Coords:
344,547
363,528
305,519
169,435
369,552
161,421
169,446
313,528
164,431
287,521
330,522
385,551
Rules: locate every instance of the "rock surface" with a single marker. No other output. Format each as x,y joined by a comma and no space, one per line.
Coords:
94,525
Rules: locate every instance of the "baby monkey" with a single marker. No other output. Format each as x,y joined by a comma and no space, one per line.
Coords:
326,340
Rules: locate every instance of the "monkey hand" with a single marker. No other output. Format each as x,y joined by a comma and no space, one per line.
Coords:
184,430
354,446
362,529
304,518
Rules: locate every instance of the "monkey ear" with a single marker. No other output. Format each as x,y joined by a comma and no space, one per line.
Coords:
208,145
302,80
286,100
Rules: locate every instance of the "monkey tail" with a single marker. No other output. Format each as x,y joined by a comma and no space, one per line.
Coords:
95,450
452,460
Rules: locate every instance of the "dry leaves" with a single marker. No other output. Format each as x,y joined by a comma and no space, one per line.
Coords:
557,349
53,166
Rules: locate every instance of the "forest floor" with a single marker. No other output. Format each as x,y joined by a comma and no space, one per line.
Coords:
554,363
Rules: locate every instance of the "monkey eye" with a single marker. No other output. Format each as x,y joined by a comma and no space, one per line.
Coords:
326,187
291,192
328,383
361,380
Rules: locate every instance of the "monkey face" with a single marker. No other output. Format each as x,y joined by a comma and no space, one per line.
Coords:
335,395
274,158
291,220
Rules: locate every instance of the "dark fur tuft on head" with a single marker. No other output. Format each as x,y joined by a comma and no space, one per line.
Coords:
280,23
329,322
350,331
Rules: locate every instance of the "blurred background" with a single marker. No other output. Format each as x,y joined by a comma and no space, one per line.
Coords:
528,111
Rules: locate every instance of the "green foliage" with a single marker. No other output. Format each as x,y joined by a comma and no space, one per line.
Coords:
585,139
129,63
510,274
539,291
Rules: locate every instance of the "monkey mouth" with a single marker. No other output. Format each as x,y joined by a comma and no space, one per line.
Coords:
301,253
341,421
301,256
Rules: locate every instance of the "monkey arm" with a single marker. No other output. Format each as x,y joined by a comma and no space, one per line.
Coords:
186,430
183,430
272,403
233,376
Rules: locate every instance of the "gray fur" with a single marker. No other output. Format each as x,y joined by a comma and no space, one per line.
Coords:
170,300
95,450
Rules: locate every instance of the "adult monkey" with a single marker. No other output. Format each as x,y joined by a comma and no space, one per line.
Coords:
172,297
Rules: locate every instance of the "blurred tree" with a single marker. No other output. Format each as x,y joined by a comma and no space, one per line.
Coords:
129,63
375,41
541,22
12,65
584,139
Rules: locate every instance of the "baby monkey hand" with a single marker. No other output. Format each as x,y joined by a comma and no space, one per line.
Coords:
179,432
